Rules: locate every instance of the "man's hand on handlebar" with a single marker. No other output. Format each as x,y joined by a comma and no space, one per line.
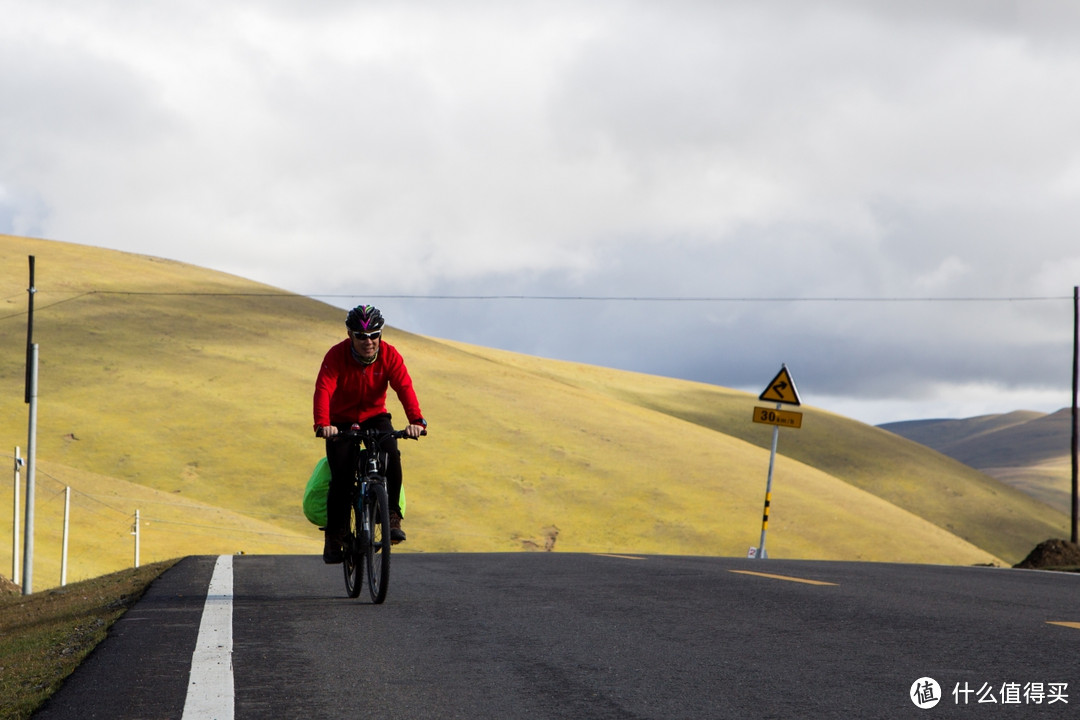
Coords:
411,431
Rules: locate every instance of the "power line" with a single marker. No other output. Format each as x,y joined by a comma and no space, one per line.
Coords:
595,298
683,299
53,304
572,298
668,298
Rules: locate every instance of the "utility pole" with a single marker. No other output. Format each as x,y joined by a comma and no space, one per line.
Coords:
30,327
31,466
1076,364
31,444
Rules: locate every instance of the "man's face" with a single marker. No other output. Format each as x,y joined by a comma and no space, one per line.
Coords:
366,344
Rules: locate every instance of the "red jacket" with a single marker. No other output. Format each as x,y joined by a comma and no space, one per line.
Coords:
348,391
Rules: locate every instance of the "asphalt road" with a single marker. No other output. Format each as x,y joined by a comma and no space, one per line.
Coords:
551,635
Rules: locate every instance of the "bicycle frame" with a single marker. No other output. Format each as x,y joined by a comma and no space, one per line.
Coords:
369,470
369,515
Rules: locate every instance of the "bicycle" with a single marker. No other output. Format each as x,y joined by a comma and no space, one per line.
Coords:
367,539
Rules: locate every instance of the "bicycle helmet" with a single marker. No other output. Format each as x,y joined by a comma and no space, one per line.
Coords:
365,318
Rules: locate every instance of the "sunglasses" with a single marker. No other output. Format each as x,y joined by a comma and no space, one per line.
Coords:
367,336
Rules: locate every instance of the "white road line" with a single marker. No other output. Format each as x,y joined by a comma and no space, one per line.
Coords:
210,694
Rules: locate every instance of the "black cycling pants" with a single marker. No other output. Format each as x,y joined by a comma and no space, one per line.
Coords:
342,459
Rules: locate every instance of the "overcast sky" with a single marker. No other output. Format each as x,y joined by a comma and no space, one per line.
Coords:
810,183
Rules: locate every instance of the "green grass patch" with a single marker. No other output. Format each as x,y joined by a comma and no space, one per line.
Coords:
44,636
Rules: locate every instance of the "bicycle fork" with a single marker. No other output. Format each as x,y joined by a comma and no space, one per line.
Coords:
365,520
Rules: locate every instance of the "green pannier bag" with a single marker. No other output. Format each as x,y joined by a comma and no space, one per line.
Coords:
315,494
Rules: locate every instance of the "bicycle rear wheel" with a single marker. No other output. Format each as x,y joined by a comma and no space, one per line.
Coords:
353,561
378,549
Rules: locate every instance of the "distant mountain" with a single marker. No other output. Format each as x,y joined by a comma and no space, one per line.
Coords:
1026,449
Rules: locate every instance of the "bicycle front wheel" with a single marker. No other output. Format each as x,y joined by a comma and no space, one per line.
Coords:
353,561
377,551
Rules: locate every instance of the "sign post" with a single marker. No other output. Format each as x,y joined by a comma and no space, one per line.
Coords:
781,390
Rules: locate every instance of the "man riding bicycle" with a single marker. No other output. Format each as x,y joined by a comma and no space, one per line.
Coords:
351,388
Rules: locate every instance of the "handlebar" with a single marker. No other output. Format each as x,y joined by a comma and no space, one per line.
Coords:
372,434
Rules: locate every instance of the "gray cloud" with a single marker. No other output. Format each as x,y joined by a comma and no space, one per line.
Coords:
699,149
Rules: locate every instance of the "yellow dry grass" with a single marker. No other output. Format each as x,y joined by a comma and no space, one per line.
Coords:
102,523
1049,481
986,513
194,407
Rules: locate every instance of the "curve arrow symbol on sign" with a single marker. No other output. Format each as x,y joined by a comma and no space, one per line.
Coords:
781,389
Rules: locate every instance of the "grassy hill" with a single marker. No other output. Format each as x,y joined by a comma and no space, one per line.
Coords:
185,393
1024,449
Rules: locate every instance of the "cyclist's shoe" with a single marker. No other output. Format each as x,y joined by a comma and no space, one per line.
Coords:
331,553
397,535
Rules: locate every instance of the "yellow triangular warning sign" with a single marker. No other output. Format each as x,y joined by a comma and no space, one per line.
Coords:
781,389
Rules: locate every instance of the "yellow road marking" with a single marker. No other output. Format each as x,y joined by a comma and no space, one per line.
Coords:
782,577
621,557
1064,624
